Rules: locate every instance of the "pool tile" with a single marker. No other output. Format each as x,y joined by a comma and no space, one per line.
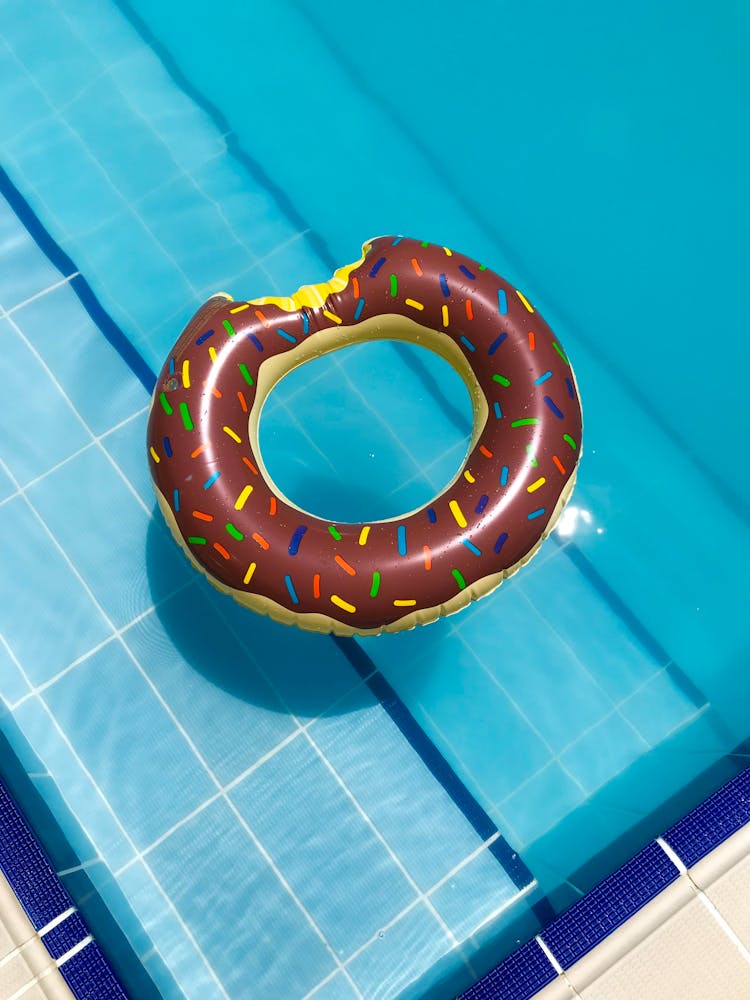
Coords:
107,542
127,446
45,429
537,805
24,270
7,486
338,988
129,743
211,861
53,622
473,896
22,103
93,375
12,683
211,683
658,708
398,957
603,752
341,872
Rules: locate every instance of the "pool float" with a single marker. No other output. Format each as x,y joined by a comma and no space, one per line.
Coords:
361,579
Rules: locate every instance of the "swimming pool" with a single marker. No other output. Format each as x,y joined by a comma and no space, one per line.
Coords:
261,811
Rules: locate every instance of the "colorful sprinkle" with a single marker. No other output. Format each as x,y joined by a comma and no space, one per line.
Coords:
560,352
198,451
187,420
375,587
444,311
358,310
272,506
285,335
432,516
394,286
166,405
471,547
414,304
355,286
228,327
458,577
427,557
397,241
202,516
570,441
502,539
525,301
196,540
212,354
250,465
504,475
555,409
234,532
483,501
255,342
535,514
211,480
261,540
501,379
469,309
467,272
294,541
154,455
467,343
263,318
171,366
347,567
376,267
239,309
502,302
316,585
444,286
532,340
532,456
364,534
249,574
232,434
204,337
496,343
404,604
498,411
525,422
243,401
543,378
559,464
457,513
186,373
344,605
468,476
167,447
305,322
537,484
401,533
242,498
332,316
290,588
221,550
571,391
245,373
485,451
176,501
335,532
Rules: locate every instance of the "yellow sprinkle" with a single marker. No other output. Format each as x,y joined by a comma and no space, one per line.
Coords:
364,534
186,373
212,354
238,309
154,455
448,253
232,435
242,498
414,304
334,318
404,604
468,477
458,514
535,486
445,315
525,301
335,599
249,575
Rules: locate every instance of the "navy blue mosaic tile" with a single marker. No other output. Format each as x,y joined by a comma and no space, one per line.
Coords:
519,977
89,976
66,935
609,905
707,826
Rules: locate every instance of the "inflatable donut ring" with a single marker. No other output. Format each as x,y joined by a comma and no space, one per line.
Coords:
361,579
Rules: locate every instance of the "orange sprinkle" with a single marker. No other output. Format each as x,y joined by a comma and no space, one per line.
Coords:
198,451
201,516
427,557
355,287
316,578
243,401
221,550
261,541
216,392
532,341
415,265
485,451
345,565
262,318
469,310
559,464
272,506
250,465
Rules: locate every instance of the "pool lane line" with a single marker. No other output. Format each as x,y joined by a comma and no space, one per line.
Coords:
360,661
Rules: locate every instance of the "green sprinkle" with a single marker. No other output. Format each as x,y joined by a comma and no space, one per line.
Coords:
196,540
234,532
166,404
560,352
228,327
532,459
526,422
375,584
502,380
482,267
335,532
458,577
425,244
571,442
246,374
394,285
186,418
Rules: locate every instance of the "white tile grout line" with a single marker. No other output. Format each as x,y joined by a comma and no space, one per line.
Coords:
557,967
45,291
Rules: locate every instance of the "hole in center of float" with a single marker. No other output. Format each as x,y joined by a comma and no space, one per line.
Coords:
367,432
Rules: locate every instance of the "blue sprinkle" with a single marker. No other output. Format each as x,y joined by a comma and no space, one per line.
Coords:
397,241
498,411
536,513
432,515
569,384
444,285
296,539
482,504
211,480
205,336
467,343
290,588
171,366
543,378
176,501
305,322
471,547
555,409
502,302
285,335
467,272
360,307
168,447
496,343
377,266
254,341
501,541
504,476
402,539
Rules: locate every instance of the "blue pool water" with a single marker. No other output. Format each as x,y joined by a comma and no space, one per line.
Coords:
246,810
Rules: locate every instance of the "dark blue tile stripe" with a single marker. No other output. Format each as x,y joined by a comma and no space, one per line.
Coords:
709,825
39,891
519,977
